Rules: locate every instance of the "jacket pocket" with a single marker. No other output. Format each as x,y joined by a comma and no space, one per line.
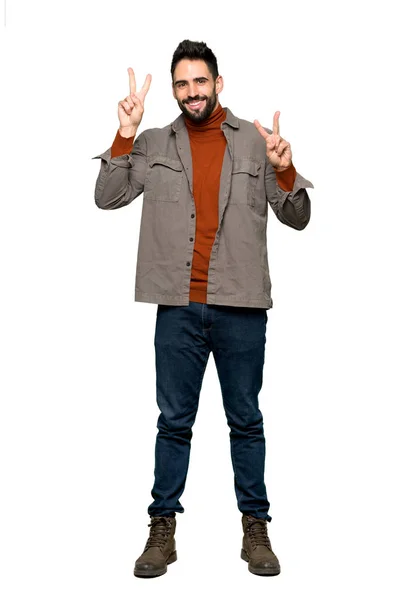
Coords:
163,179
245,173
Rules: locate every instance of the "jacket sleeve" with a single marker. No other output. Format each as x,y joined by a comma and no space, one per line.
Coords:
292,208
121,179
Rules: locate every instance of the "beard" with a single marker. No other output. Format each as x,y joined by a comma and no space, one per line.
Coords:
199,115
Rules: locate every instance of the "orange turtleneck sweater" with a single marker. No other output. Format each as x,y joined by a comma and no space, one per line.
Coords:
207,144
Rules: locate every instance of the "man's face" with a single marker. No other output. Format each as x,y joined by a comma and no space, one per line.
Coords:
195,90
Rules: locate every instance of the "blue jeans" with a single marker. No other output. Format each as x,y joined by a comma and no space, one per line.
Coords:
184,337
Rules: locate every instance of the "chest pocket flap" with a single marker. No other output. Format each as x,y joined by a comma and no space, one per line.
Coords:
164,179
244,180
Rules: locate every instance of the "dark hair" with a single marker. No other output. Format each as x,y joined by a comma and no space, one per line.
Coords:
195,51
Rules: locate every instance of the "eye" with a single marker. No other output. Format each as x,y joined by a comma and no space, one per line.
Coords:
181,84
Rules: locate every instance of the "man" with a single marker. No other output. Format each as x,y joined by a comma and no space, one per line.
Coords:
207,180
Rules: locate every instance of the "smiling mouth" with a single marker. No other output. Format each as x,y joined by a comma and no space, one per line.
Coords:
195,105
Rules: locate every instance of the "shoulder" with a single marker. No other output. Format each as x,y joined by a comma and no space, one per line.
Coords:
248,140
156,133
249,129
159,141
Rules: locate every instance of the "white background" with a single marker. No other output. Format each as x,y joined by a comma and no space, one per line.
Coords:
78,412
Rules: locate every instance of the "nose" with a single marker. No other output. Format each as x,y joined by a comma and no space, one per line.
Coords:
192,90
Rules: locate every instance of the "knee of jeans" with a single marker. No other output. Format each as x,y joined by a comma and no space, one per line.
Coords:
247,423
176,424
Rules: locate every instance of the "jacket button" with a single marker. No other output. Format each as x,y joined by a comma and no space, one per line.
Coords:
190,239
188,264
192,216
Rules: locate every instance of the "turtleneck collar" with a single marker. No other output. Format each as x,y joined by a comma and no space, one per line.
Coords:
213,122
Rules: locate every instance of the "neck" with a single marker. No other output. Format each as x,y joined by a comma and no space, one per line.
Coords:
213,121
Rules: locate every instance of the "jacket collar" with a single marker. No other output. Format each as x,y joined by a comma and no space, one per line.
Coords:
230,120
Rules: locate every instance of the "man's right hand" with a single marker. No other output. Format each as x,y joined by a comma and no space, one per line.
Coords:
131,109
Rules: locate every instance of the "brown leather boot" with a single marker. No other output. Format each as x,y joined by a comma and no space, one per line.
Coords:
160,549
256,548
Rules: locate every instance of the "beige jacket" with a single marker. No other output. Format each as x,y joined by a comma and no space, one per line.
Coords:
160,166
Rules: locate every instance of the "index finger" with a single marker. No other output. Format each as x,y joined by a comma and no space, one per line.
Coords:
261,129
275,128
132,81
146,84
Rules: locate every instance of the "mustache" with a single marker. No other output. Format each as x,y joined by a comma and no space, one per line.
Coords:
194,99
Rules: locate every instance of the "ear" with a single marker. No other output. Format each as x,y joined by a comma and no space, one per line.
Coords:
173,90
219,84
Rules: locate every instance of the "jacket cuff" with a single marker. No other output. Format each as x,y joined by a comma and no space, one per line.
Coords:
285,179
121,145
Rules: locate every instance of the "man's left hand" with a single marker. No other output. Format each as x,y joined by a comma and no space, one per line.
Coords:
279,152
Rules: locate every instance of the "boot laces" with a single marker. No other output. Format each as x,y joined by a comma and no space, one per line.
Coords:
160,528
257,530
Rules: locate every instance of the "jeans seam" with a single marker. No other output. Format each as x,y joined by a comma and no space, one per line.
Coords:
201,377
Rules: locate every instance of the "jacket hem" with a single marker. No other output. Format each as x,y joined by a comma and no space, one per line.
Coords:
161,299
244,301
211,299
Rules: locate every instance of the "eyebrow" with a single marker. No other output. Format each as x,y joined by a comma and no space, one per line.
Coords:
194,79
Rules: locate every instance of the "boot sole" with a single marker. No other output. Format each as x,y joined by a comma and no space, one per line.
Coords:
266,571
145,574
